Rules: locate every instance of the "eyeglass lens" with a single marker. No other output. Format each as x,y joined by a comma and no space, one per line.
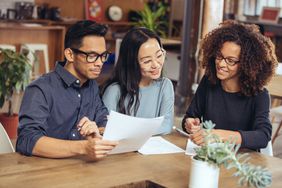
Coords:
160,57
227,60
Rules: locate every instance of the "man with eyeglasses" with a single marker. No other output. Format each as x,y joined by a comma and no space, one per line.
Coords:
62,110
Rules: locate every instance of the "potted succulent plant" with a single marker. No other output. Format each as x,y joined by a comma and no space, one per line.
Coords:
14,77
214,153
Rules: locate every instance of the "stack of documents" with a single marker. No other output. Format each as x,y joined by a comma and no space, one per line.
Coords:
133,133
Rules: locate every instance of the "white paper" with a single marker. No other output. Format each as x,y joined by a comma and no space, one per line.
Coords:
190,148
131,132
158,145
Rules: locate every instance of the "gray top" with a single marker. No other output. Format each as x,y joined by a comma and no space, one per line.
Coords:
156,100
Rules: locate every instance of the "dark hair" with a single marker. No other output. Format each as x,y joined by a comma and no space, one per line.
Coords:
127,72
75,34
257,60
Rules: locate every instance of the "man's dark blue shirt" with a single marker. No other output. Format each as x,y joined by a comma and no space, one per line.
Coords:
53,105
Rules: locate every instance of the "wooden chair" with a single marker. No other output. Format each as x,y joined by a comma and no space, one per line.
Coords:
275,91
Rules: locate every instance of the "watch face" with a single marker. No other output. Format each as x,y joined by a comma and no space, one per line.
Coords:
114,13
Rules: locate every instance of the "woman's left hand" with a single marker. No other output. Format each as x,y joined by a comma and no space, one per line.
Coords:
198,137
225,135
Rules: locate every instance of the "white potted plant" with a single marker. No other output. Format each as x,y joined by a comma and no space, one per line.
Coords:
215,153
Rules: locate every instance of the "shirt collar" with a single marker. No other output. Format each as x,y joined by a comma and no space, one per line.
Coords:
66,76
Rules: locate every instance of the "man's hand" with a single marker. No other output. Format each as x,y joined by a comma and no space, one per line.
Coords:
88,128
192,125
96,148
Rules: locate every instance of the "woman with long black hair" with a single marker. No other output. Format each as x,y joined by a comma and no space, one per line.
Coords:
137,87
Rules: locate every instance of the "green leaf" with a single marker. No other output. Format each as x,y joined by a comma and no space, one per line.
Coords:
14,73
153,19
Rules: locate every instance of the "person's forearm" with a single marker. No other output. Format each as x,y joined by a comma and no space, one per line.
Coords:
56,148
227,135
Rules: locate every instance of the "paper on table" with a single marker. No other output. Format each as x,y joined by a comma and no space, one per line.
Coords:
131,132
158,145
190,148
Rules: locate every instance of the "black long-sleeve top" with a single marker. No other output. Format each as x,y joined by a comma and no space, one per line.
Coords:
233,111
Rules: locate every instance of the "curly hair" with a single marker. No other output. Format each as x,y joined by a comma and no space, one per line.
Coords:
257,60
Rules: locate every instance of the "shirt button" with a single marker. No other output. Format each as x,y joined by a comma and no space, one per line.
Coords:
79,95
77,81
73,135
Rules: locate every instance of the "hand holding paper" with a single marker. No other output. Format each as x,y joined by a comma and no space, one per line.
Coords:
131,132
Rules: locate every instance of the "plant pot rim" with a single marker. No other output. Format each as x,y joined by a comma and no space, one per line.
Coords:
199,161
5,114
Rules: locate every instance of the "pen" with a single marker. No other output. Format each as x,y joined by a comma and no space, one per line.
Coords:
180,131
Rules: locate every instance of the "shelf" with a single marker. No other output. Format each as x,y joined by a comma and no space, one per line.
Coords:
117,23
65,22
53,36
268,27
170,42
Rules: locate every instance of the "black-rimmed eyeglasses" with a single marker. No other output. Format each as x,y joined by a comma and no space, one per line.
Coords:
228,60
92,57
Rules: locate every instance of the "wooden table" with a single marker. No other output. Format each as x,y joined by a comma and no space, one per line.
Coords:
170,170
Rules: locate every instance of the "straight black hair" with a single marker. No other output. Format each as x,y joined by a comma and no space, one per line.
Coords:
75,34
127,72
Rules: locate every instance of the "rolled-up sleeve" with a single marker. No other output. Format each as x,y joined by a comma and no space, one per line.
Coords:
33,115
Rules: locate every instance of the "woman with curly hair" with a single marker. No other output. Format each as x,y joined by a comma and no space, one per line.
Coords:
239,61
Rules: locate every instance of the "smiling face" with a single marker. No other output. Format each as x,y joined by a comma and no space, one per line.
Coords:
78,64
227,63
151,59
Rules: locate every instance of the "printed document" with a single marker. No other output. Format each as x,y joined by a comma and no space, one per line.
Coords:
131,132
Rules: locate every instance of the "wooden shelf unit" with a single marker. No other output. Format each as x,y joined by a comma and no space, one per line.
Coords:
17,34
